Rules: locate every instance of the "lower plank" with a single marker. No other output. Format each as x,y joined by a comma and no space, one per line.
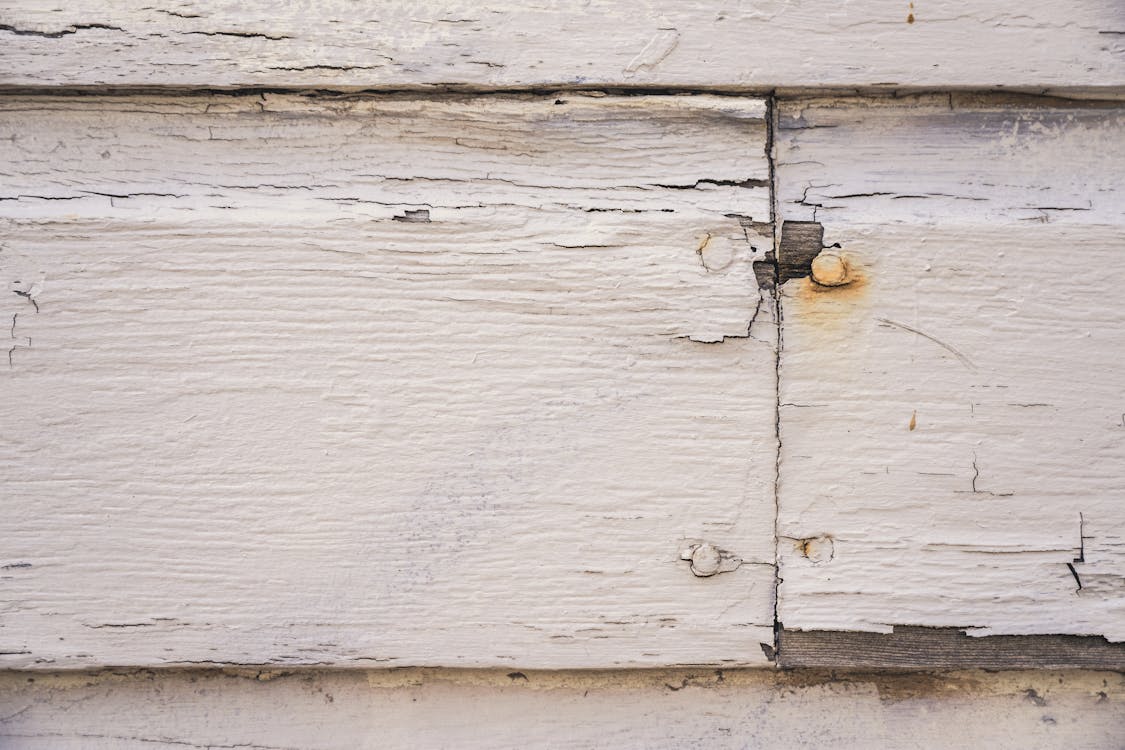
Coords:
350,710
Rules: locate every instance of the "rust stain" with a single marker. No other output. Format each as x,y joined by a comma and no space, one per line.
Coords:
830,319
913,421
910,15
814,293
703,243
818,549
824,303
828,314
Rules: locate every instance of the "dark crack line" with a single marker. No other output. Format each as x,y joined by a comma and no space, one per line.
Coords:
1081,552
58,34
300,68
772,125
28,297
239,34
1074,573
749,183
153,740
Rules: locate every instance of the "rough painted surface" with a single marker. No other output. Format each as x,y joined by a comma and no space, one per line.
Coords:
384,381
346,710
770,43
952,420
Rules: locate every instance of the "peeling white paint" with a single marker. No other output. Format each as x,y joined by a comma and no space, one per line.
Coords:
658,48
952,416
384,381
1036,45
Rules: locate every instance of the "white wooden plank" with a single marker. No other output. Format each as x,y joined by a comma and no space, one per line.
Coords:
1036,44
384,381
951,421
352,709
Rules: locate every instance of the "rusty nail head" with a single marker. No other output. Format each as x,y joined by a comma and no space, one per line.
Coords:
830,268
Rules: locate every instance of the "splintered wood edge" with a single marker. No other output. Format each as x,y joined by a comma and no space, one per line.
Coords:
910,648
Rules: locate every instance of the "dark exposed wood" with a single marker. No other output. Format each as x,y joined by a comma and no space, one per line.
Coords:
945,648
801,241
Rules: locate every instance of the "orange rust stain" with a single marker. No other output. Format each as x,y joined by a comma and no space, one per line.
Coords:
827,316
913,421
812,293
910,15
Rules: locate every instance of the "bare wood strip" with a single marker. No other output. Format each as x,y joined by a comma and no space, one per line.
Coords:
945,648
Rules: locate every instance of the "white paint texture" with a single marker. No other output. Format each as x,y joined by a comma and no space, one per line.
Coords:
349,710
1033,44
260,410
953,420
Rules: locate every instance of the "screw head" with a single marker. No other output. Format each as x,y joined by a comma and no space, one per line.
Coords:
830,268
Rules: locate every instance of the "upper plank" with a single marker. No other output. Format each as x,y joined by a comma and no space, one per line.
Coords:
1035,45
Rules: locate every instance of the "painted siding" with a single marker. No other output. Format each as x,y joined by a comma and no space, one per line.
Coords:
383,381
890,44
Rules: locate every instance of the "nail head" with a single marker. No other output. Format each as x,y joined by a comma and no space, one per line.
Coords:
706,560
829,269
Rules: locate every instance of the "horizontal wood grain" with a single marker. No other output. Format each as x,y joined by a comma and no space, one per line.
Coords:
662,709
914,648
1036,45
384,381
951,419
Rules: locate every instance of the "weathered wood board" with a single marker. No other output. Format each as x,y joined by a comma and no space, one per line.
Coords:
920,648
1035,44
345,380
492,710
953,420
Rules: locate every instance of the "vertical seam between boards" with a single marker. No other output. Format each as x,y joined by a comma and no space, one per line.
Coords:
775,292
